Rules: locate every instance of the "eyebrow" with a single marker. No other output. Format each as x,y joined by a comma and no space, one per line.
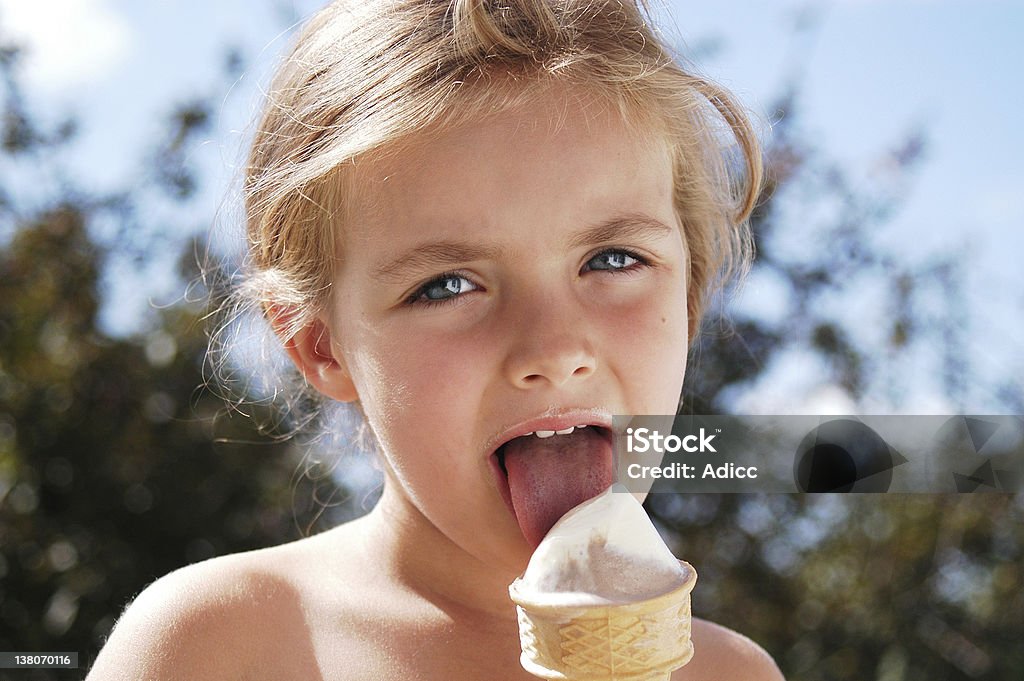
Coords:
440,255
632,226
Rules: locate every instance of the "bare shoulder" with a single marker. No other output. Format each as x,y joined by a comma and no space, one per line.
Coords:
208,620
722,654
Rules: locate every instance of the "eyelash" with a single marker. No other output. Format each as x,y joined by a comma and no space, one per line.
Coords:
417,297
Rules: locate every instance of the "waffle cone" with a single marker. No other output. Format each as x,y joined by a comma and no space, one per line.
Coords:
641,641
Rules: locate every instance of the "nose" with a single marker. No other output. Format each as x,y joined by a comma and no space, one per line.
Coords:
549,347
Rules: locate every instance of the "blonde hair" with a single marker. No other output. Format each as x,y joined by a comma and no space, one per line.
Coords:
366,75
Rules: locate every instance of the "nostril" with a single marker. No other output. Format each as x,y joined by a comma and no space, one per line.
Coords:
550,365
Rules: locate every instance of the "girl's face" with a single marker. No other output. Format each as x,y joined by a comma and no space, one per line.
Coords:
523,273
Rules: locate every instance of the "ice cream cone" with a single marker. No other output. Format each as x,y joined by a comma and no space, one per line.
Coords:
640,641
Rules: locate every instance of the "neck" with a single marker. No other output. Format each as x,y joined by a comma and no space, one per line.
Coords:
424,560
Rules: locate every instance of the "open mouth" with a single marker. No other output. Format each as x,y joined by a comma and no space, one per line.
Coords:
545,473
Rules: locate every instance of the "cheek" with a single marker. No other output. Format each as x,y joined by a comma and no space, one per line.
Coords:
651,340
416,387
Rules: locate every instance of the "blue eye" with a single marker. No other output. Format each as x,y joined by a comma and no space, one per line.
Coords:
442,289
613,260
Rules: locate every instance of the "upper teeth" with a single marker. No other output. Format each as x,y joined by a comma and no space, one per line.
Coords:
549,433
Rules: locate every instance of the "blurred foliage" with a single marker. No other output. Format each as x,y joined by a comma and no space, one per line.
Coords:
817,230
886,587
855,586
119,464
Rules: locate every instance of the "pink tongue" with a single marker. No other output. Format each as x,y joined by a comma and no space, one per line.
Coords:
549,476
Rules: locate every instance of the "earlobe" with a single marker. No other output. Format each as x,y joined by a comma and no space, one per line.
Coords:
313,353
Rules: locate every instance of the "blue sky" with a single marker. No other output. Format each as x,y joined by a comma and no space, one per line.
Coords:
872,71
876,69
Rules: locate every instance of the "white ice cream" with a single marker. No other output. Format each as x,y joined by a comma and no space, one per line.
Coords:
604,551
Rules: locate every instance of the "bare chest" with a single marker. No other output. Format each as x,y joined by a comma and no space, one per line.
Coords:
393,652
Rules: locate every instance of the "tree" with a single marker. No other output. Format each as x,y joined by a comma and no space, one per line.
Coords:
118,463
849,586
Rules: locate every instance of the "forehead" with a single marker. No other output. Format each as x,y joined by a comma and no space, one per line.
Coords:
561,154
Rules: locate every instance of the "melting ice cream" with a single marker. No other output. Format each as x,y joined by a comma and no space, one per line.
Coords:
604,551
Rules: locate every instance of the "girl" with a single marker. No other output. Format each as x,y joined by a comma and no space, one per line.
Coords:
490,226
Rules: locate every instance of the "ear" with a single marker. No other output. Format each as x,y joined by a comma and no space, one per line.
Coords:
320,363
